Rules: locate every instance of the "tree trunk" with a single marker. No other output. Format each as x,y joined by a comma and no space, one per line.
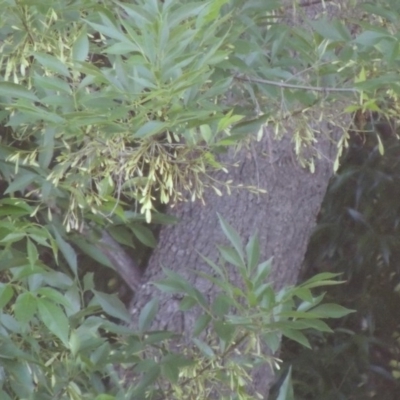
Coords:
283,217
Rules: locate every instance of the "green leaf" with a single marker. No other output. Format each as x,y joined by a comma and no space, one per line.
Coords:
110,30
6,294
204,348
318,325
145,235
105,397
150,128
169,286
370,38
4,395
25,307
231,256
213,10
272,340
304,294
121,48
148,378
262,272
201,324
121,234
153,337
187,303
13,237
9,89
88,282
332,30
52,63
47,147
286,389
67,251
225,331
249,126
18,209
170,370
233,237
112,306
22,378
21,181
322,279
175,283
92,251
297,336
221,305
308,304
55,296
253,252
32,252
80,49
380,145
147,314
54,318
52,83
330,310
215,267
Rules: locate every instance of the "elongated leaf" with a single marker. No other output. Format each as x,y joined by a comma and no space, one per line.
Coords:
221,305
67,251
52,63
225,331
320,278
231,256
145,235
54,318
4,395
204,348
15,207
201,324
17,91
112,306
55,296
253,252
286,389
148,378
150,128
147,314
296,336
21,182
53,83
105,397
169,368
331,311
80,49
111,31
262,272
32,252
25,307
187,303
6,294
233,237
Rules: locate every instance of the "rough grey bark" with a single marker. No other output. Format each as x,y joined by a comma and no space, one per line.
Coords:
283,217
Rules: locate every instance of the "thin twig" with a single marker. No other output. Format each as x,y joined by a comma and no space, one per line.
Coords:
293,86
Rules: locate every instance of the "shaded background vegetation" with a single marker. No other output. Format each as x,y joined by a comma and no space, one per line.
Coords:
358,235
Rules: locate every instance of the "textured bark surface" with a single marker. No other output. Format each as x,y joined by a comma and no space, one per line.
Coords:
283,217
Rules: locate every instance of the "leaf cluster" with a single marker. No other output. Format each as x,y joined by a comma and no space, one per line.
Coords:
233,329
